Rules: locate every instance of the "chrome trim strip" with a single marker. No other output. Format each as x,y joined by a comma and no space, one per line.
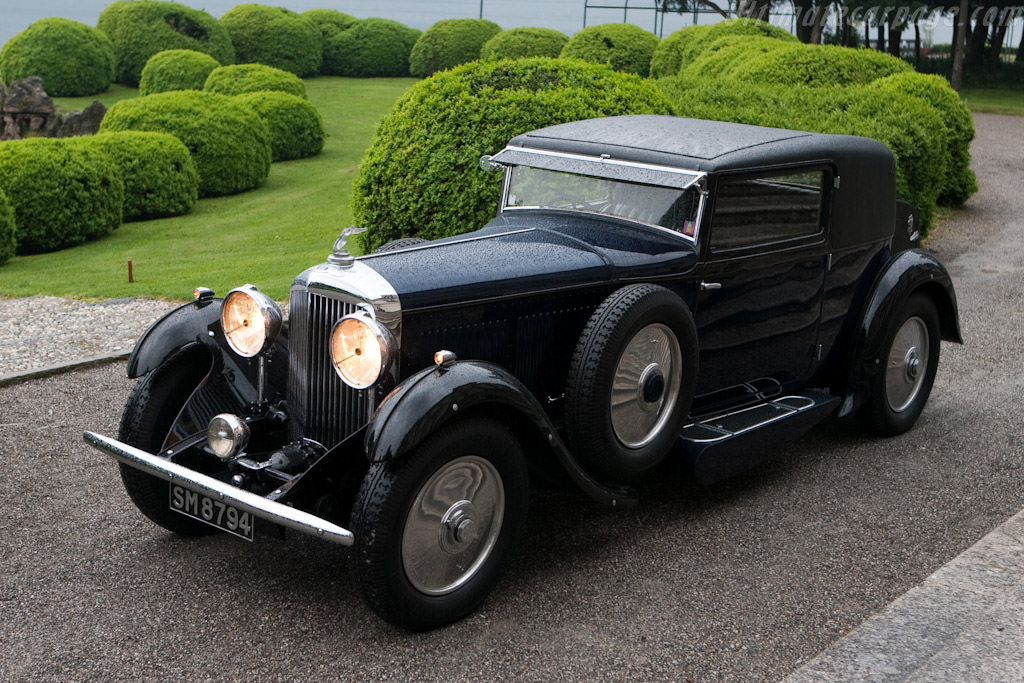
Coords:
601,160
244,500
433,244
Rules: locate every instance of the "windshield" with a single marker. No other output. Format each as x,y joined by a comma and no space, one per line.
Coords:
665,207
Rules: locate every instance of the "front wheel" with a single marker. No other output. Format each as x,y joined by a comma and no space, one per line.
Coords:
909,358
435,530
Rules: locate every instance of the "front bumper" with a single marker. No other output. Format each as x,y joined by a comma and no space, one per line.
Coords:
259,506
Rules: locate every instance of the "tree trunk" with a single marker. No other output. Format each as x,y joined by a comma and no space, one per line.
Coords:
881,37
867,34
976,45
995,54
957,79
820,17
804,15
1020,49
895,38
917,43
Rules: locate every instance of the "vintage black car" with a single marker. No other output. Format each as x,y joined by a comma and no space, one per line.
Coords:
652,289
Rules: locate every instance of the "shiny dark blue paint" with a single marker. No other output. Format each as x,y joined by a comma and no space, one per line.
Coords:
188,323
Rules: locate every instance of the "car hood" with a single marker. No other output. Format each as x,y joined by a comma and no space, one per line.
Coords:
530,252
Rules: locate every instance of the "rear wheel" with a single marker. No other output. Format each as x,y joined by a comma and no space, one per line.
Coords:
909,359
435,530
147,419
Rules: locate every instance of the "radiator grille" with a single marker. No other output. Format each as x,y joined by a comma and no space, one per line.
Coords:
322,407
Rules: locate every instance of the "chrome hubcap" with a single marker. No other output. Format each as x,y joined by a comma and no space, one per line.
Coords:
453,525
646,385
908,358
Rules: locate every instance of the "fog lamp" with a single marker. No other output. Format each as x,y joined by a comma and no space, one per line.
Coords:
227,435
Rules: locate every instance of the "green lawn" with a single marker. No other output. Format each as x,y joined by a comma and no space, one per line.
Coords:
995,100
266,236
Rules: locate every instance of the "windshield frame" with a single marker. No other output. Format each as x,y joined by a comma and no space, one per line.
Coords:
607,168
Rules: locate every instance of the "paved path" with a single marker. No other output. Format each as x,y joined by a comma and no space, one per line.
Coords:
747,580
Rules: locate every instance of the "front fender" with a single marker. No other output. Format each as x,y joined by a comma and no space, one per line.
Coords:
910,271
187,324
417,407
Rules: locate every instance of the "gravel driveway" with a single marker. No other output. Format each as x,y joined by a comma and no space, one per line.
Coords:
742,581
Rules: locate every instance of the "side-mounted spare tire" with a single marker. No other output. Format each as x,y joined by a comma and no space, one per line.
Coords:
631,382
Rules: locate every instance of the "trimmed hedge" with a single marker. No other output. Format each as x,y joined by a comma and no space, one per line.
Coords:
961,182
370,47
448,43
684,46
819,65
624,47
176,70
7,241
63,193
724,55
274,36
329,21
141,28
229,143
526,41
420,175
72,59
242,78
908,125
160,177
296,129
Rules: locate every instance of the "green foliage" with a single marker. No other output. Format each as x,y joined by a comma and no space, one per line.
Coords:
229,143
63,193
141,28
329,21
296,129
420,175
526,41
819,65
448,43
176,70
370,47
242,78
684,46
908,125
160,177
725,54
624,47
7,241
960,181
274,36
72,58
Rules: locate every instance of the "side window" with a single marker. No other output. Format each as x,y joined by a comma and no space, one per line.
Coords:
767,209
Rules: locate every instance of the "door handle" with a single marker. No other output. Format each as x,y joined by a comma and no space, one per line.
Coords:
705,286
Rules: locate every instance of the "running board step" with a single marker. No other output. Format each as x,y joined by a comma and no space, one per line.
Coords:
721,446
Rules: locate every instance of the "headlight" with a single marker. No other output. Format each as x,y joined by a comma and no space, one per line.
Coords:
360,350
251,320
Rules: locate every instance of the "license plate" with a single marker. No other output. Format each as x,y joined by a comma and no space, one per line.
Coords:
214,512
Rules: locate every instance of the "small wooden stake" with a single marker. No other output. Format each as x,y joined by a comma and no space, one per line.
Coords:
130,278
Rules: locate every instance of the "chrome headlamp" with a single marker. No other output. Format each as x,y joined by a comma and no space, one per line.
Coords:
250,319
227,435
361,350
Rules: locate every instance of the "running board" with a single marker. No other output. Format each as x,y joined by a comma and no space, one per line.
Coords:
721,446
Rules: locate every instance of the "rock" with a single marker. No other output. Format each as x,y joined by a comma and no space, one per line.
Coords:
25,108
85,122
27,96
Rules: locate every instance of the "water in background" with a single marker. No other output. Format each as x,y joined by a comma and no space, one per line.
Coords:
563,15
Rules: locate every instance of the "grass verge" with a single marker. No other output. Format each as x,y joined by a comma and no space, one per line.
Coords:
995,100
266,236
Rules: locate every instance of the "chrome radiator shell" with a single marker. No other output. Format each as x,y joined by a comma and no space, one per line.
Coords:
320,405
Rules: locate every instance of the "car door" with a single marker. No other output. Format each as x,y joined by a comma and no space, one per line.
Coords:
761,286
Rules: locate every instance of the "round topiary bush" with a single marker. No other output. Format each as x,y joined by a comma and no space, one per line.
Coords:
160,177
420,175
819,65
296,129
624,47
961,182
274,36
448,43
72,59
684,46
7,241
329,21
725,54
370,47
63,193
526,41
141,28
242,78
176,70
229,143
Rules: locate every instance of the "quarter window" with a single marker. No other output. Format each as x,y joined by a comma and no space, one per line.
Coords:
767,209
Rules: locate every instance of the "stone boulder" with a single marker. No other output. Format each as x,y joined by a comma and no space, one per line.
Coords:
27,111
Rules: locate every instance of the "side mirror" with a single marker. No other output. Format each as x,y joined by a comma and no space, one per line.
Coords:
487,165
